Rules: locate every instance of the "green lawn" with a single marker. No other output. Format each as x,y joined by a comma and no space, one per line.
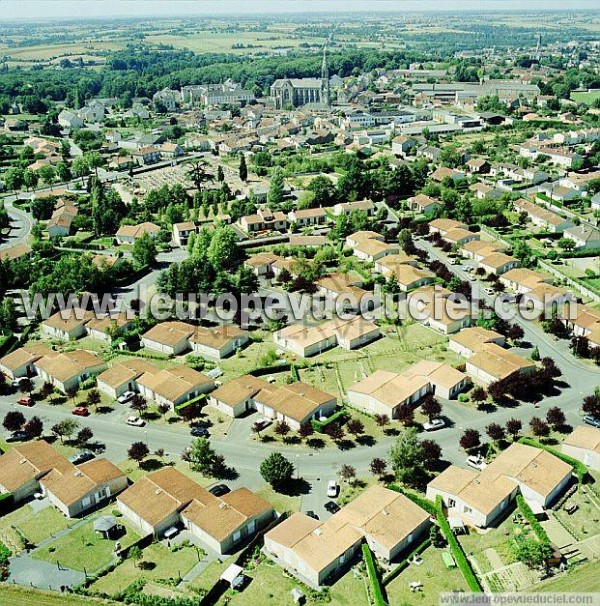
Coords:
44,524
167,564
587,98
208,577
280,502
35,527
271,587
84,549
434,575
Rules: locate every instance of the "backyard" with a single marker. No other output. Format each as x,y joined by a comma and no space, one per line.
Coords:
35,526
163,565
434,576
84,550
271,586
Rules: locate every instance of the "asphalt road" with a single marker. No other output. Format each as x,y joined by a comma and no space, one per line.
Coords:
21,224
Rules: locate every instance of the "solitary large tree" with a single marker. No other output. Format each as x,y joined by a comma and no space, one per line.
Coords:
276,469
34,427
13,420
138,451
431,407
405,456
470,439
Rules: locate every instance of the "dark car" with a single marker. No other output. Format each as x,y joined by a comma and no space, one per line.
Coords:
311,514
199,432
591,420
332,507
17,436
219,490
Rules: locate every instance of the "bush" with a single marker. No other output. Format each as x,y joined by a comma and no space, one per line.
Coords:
5,554
378,597
528,514
321,426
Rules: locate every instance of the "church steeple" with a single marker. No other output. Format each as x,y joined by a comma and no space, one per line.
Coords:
325,92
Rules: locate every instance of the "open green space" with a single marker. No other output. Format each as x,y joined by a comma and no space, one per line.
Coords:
83,549
434,576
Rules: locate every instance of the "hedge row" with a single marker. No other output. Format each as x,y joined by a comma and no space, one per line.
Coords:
321,426
457,551
198,399
5,554
528,514
422,502
378,597
580,469
388,578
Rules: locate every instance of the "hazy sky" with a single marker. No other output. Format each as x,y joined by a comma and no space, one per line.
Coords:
36,9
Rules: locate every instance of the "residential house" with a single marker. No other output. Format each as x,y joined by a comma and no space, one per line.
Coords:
174,386
423,204
76,489
585,236
182,232
523,280
480,249
108,327
583,444
460,237
307,217
492,363
218,342
68,328
315,551
480,498
443,226
67,370
387,265
345,208
128,234
21,361
123,376
167,498
498,263
358,237
384,392
170,338
472,340
546,219
263,220
477,165
146,155
17,251
371,250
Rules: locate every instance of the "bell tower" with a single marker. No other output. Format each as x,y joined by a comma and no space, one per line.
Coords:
325,90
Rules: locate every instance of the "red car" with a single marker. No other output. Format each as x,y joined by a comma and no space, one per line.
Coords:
27,401
81,411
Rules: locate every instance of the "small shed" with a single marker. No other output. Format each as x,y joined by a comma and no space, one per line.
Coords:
108,527
298,596
232,574
448,559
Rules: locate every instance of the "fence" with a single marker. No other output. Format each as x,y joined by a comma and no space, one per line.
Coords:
574,282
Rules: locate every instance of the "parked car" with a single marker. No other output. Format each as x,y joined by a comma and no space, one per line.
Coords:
82,457
591,420
17,436
332,489
26,401
81,411
476,463
332,507
135,421
219,490
311,514
434,424
171,532
199,432
124,398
